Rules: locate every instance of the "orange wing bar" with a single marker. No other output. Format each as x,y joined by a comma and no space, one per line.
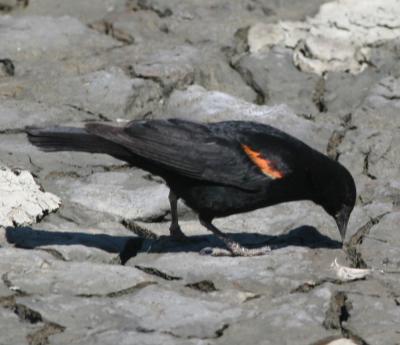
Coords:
265,165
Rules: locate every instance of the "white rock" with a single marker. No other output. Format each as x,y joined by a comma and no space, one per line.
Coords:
264,35
22,200
336,39
342,341
347,273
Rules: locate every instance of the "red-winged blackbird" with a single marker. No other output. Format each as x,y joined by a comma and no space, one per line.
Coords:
218,169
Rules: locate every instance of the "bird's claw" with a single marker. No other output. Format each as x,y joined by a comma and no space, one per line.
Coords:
235,251
215,252
206,251
177,234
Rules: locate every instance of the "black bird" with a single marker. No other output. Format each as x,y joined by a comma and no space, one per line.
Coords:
218,169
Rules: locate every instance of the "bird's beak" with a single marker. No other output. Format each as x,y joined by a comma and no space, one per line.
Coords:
342,218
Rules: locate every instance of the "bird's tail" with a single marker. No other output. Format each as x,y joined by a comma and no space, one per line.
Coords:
52,139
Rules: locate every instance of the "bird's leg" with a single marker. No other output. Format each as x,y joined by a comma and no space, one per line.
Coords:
234,248
174,229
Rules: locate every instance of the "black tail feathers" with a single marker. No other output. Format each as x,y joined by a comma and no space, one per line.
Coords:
62,139
52,139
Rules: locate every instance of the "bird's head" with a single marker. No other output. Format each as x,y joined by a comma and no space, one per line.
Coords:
335,190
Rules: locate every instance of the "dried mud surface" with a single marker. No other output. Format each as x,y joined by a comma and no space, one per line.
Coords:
101,269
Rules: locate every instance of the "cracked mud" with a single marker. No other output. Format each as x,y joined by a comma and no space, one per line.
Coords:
92,263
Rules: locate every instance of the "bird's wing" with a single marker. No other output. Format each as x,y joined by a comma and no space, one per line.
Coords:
192,150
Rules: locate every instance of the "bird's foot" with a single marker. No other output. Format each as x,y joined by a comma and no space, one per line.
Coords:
177,234
235,250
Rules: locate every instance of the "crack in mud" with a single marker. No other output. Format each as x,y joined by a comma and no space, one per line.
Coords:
349,334
203,286
141,329
26,314
131,248
166,89
6,281
105,27
89,112
133,245
41,336
235,54
391,98
139,230
8,65
54,253
23,312
94,169
12,131
338,314
247,77
10,286
217,334
338,136
352,247
366,166
145,5
6,8
311,285
61,174
338,311
308,117
130,290
318,97
155,272
334,141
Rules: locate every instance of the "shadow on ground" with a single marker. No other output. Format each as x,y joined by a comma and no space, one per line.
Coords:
128,247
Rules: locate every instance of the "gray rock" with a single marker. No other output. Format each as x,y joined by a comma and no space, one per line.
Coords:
384,57
120,194
198,104
374,321
35,37
303,314
380,239
47,275
197,24
141,27
104,94
4,290
16,331
183,316
126,337
136,59
345,92
293,230
85,11
17,153
372,149
146,98
277,275
16,115
184,65
276,78
70,242
173,68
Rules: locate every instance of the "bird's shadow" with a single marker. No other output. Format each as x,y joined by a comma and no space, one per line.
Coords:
130,246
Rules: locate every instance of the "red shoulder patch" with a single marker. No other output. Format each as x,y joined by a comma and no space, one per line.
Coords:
265,165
